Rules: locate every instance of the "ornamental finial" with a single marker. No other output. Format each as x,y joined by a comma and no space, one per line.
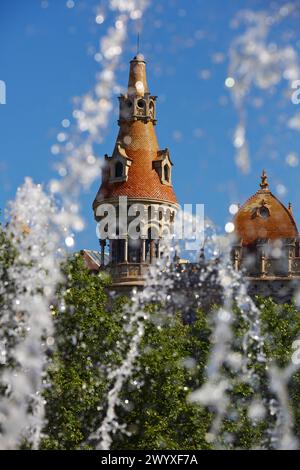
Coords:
264,181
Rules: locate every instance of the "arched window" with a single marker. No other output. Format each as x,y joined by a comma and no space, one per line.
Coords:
264,212
141,104
119,170
167,173
151,110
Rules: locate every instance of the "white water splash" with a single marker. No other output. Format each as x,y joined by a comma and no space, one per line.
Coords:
256,61
79,167
39,226
35,273
214,391
155,290
282,437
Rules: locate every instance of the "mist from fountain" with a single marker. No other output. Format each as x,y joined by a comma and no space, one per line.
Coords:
40,227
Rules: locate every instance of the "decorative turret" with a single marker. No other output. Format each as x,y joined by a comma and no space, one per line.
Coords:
137,103
141,172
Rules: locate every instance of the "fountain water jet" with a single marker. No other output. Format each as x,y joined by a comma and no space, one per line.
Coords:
38,227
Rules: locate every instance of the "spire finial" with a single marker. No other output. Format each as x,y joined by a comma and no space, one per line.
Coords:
290,207
264,180
138,44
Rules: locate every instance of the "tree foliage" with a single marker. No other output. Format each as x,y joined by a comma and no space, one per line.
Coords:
86,330
90,341
9,324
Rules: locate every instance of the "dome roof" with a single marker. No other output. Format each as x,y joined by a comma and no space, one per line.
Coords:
263,216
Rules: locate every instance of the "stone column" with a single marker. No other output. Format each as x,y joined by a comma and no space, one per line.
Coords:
290,266
152,249
126,250
158,248
236,260
143,250
263,264
291,251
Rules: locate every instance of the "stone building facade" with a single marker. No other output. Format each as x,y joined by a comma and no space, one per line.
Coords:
266,239
266,245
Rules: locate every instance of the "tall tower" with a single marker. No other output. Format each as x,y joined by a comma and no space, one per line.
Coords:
136,175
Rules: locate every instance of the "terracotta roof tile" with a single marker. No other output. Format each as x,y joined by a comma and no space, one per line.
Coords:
143,181
274,222
139,140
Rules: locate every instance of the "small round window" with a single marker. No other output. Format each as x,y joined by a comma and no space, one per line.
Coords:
264,212
141,104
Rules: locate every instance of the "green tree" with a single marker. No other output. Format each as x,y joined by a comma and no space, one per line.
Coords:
154,401
91,340
281,327
10,325
86,331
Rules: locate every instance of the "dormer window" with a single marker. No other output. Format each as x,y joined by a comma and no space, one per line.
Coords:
118,165
163,166
119,170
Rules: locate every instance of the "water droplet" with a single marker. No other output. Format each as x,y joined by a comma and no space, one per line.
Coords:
233,209
229,82
229,227
292,160
69,241
65,123
70,4
99,19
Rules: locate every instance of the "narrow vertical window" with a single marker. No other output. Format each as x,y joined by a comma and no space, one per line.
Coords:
119,170
167,173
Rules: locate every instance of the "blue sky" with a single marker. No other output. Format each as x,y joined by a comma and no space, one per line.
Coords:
46,58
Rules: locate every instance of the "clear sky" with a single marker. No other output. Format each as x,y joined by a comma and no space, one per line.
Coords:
47,57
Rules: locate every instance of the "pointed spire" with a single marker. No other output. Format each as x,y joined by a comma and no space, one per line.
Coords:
137,83
290,207
137,104
264,181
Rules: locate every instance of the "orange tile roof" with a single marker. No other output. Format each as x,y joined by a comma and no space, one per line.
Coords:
143,181
251,226
139,140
